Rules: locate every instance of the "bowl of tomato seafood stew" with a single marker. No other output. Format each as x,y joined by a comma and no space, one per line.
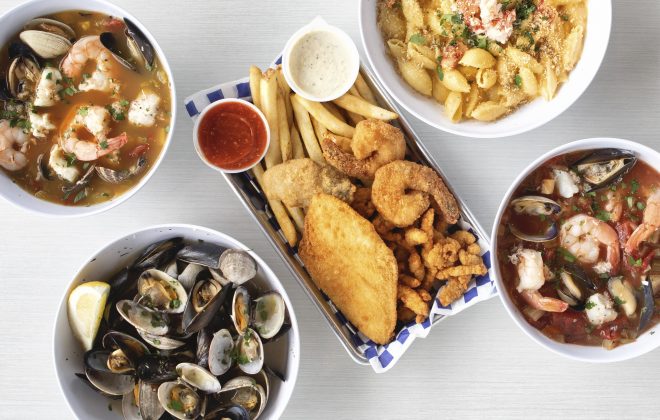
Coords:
577,259
176,321
86,106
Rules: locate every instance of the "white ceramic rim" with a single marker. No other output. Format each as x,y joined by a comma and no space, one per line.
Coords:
456,129
571,351
218,103
61,308
81,211
318,24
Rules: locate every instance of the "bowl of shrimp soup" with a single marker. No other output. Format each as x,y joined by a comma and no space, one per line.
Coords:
576,256
87,106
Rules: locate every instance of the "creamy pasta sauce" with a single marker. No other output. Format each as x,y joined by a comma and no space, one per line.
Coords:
320,64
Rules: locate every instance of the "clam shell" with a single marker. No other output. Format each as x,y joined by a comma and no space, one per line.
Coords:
164,391
142,317
150,407
251,366
154,294
240,310
52,26
161,342
46,45
237,266
268,314
198,377
220,359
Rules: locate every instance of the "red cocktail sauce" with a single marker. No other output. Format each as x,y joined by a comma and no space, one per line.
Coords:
232,136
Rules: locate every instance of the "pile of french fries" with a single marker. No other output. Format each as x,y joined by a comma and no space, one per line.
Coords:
297,125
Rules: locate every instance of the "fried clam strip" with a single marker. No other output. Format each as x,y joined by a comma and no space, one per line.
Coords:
415,300
375,143
296,181
401,191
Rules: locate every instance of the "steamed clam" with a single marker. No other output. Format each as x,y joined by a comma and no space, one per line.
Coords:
538,207
200,357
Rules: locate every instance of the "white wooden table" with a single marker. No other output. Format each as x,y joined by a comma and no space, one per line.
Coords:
476,365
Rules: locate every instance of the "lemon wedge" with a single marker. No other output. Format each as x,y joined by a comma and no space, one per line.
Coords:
85,307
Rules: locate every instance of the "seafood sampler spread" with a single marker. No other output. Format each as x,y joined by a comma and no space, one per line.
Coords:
84,107
183,332
578,247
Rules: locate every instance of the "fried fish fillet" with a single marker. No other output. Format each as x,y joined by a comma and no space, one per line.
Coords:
349,261
295,181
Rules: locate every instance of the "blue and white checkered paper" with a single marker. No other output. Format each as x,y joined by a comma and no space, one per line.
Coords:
381,357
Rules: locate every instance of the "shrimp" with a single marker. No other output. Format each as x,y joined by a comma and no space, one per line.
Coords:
401,192
13,144
375,143
96,120
531,277
582,236
650,223
86,49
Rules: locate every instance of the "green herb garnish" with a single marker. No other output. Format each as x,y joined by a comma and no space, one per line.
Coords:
418,39
603,215
566,254
590,304
70,159
80,196
619,301
103,144
634,186
634,262
175,303
518,80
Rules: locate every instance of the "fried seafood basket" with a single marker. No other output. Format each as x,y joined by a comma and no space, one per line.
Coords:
360,348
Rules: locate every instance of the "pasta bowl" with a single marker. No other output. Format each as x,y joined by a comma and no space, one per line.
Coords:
282,355
528,117
11,22
644,343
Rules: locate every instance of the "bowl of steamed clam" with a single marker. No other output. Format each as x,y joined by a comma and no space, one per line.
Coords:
86,106
577,250
176,322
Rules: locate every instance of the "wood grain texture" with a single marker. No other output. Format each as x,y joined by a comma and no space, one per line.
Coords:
477,365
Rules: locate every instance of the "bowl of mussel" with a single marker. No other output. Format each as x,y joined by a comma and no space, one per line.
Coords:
87,106
577,250
180,322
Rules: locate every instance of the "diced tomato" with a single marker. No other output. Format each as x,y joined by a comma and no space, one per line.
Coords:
624,230
571,323
612,330
452,54
647,259
139,150
113,24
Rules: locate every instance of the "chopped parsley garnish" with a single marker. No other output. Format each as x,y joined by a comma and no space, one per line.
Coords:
103,144
630,201
82,194
116,115
619,301
83,110
69,91
524,10
86,76
566,254
564,17
590,305
123,103
603,215
441,74
418,39
591,193
518,80
575,208
634,186
640,205
176,405
70,159
242,359
175,303
49,75
634,262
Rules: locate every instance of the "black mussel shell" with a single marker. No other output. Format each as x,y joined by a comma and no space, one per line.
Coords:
42,167
146,49
20,49
232,412
195,321
286,326
157,254
272,372
204,338
5,93
648,305
604,167
83,378
132,347
155,368
110,42
202,253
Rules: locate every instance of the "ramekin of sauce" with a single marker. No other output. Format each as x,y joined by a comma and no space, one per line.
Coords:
320,62
231,135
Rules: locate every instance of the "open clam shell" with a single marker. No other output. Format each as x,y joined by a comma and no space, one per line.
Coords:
149,406
246,392
198,377
47,45
161,342
161,292
268,314
142,317
220,352
250,352
23,77
99,374
52,26
237,266
181,400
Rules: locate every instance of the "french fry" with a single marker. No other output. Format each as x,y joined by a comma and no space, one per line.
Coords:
307,132
255,85
355,118
269,108
364,89
360,106
320,130
298,217
278,209
318,111
334,110
283,126
285,89
296,143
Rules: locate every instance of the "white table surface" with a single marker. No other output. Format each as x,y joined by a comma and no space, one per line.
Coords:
476,365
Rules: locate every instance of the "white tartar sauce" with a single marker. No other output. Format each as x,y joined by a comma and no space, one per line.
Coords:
320,64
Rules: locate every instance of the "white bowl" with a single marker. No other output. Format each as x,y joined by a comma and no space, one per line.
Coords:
10,23
647,341
527,117
282,355
199,119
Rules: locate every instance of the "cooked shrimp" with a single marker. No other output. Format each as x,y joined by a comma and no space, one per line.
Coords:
87,49
375,143
96,120
650,223
582,235
531,277
13,144
401,192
